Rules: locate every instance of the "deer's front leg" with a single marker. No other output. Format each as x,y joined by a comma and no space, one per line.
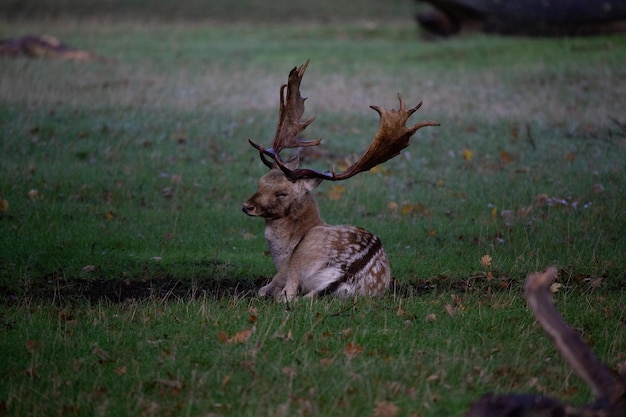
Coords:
275,287
290,290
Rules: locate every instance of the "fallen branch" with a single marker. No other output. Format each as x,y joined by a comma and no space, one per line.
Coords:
609,391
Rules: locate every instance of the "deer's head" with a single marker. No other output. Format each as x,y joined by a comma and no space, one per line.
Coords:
277,196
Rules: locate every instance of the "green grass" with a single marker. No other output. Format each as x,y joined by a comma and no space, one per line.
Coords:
140,165
320,358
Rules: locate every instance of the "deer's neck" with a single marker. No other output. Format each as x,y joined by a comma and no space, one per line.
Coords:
284,234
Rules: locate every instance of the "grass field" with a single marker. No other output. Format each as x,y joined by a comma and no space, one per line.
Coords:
125,177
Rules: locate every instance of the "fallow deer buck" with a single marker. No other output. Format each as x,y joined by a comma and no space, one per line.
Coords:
609,390
311,257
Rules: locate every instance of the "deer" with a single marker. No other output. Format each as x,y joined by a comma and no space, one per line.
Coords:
313,258
609,390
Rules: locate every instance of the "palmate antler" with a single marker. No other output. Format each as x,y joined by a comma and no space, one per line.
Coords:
392,137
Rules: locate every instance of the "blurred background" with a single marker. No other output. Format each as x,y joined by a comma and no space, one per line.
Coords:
220,10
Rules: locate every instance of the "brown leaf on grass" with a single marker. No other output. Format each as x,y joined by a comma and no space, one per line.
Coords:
450,310
238,338
431,317
4,206
353,349
121,370
289,372
432,378
385,409
103,355
415,208
88,268
555,286
346,332
33,345
467,154
506,157
596,282
226,380
485,261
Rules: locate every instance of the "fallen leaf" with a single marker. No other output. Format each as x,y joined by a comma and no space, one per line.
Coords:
346,332
290,372
239,337
4,206
32,345
433,377
595,283
88,268
450,310
352,349
226,380
415,208
467,154
485,261
431,317
506,157
103,355
555,287
385,409
120,370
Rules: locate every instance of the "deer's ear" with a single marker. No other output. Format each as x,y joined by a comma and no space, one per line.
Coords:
311,183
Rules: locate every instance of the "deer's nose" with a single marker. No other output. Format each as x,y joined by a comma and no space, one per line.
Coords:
247,208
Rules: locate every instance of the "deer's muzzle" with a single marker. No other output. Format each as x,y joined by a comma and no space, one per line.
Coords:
248,208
